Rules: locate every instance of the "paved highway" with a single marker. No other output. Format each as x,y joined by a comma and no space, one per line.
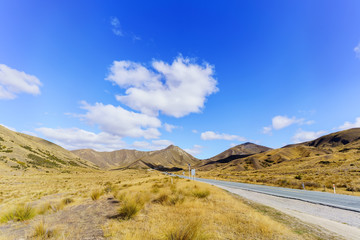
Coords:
341,201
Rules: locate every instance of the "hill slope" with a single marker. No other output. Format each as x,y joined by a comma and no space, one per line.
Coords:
170,157
20,151
237,152
333,158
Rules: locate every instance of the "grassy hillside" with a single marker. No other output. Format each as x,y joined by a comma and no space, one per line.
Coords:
21,152
328,160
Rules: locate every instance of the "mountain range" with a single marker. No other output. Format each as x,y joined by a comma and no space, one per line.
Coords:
21,151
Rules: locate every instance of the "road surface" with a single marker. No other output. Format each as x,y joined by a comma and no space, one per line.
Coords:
346,202
336,213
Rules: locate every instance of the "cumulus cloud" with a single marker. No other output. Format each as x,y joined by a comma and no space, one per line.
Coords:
121,122
303,136
195,150
169,127
116,28
209,135
153,145
280,122
175,89
14,82
348,125
357,50
74,138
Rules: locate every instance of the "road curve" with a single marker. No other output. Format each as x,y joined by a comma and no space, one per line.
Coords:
346,202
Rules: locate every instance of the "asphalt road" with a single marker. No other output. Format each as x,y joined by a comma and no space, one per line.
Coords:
341,201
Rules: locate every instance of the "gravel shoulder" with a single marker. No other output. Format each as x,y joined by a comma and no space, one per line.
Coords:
343,223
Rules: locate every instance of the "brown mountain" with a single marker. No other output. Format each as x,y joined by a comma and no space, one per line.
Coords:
106,160
171,157
20,151
237,152
336,139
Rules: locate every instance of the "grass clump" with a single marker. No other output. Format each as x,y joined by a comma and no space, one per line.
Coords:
20,213
201,193
186,231
95,195
129,209
41,231
67,201
162,198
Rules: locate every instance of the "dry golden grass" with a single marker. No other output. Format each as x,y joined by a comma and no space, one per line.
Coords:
175,212
148,206
42,231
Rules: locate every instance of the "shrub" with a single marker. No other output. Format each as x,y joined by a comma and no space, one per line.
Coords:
298,177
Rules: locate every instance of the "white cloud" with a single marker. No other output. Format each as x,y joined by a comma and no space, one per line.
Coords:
154,145
194,131
348,125
116,28
209,135
169,127
357,50
74,138
267,130
279,122
303,136
13,82
176,89
195,150
121,122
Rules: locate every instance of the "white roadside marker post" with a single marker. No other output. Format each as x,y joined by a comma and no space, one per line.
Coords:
193,174
334,188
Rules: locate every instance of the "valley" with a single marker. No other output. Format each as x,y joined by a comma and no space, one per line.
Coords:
48,192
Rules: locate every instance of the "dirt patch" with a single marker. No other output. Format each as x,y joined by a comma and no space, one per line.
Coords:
83,221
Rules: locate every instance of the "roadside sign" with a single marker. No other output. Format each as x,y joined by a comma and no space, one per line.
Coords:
192,172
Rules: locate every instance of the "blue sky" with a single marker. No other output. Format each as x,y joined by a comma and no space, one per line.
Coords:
203,75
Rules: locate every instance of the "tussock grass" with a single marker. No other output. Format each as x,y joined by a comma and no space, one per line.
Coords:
201,193
41,231
67,201
162,198
186,231
52,207
129,209
96,194
177,213
19,213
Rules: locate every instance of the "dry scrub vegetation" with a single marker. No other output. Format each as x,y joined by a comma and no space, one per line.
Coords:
131,204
